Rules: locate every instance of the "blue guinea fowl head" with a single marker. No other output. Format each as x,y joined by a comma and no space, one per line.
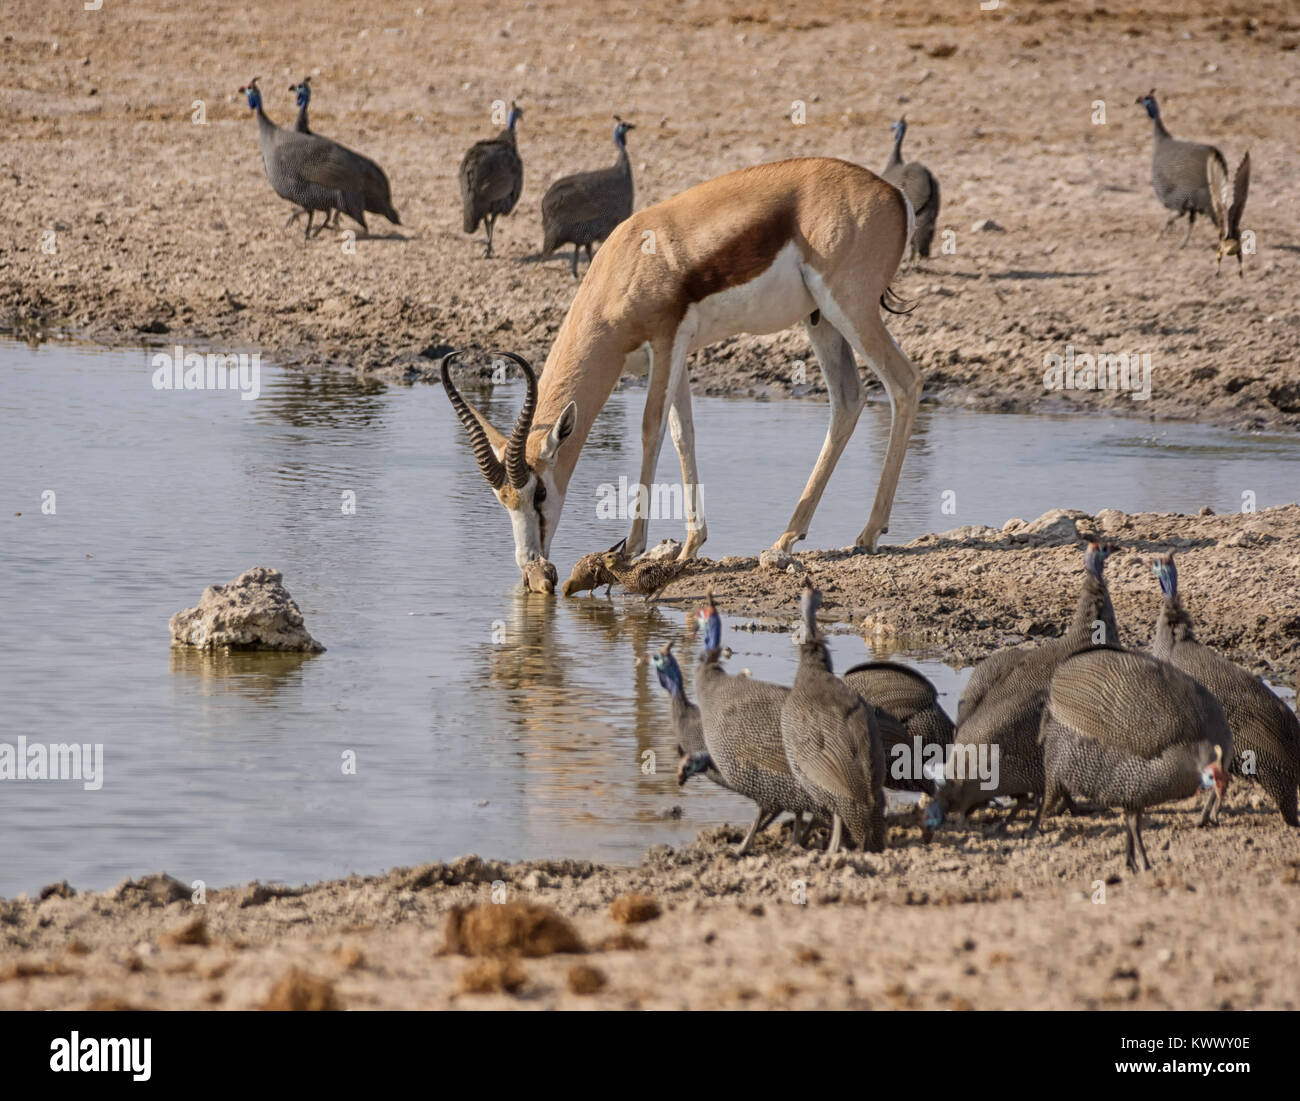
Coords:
303,90
1149,102
933,817
670,673
1214,775
1095,555
899,129
693,765
620,131
709,623
809,601
254,94
1165,570
516,113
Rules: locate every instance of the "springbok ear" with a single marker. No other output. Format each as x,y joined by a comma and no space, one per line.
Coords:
560,431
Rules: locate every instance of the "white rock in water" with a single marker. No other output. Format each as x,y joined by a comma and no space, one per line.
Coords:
253,612
665,548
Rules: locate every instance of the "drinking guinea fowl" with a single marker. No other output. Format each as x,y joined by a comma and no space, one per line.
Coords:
491,178
1128,730
906,707
1004,721
1265,731
740,718
584,208
832,742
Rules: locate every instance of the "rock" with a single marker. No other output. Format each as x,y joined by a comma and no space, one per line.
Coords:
772,559
1205,510
1111,519
632,909
57,890
158,889
252,612
665,548
986,225
298,991
585,979
194,931
1056,527
493,977
511,927
970,533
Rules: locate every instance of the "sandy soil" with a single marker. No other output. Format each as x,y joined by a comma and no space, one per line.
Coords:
968,922
165,230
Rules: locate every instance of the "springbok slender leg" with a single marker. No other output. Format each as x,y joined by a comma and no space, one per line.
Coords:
859,321
845,388
667,365
902,382
682,427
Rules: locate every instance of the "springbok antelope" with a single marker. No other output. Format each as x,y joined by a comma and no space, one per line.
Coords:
754,251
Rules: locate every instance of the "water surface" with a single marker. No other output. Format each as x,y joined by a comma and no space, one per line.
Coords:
482,720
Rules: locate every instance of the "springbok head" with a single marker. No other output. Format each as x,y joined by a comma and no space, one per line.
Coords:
524,483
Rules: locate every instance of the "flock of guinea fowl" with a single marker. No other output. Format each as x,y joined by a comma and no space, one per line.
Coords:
1077,719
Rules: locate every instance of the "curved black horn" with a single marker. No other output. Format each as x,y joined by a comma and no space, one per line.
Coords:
488,462
517,446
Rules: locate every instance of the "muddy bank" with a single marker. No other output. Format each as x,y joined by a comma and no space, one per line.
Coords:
131,221
970,591
968,922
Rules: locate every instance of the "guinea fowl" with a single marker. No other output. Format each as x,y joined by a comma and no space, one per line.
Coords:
491,178
306,169
1228,201
687,726
1265,732
740,719
1127,730
832,742
1180,171
1005,723
906,707
375,192
584,208
921,188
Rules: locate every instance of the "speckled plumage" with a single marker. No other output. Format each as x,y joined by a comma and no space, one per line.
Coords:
741,725
306,169
1127,730
648,577
584,208
833,745
906,706
589,574
1265,731
1010,709
1180,170
921,188
491,178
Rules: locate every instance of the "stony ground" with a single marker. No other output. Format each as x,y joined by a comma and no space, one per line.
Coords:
129,221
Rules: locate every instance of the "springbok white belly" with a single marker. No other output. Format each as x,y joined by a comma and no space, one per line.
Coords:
773,301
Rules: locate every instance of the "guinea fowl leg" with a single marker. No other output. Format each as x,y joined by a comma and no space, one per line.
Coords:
1135,831
1191,217
1210,809
307,232
1168,222
837,828
293,218
796,831
1130,846
753,832
489,220
574,266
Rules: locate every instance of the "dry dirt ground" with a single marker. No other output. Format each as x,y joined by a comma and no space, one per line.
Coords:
163,229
